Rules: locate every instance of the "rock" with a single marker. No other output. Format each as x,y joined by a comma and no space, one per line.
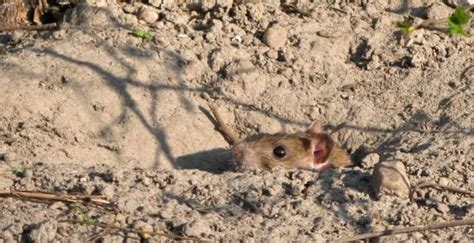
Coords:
17,35
129,19
147,14
442,208
129,8
370,160
438,10
275,36
89,15
390,177
45,232
236,40
273,54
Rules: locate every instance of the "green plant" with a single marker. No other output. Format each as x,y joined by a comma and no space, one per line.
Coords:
406,27
74,207
80,213
259,16
451,25
21,170
430,219
459,18
142,34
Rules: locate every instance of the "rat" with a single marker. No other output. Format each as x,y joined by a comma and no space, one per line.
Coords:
311,149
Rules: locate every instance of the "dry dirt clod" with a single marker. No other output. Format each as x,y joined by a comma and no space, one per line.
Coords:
196,228
438,10
44,232
147,14
275,36
390,177
129,8
370,160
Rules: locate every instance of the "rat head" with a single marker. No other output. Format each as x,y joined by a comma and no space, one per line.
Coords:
307,150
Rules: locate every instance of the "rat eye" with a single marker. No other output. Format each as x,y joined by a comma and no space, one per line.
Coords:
279,152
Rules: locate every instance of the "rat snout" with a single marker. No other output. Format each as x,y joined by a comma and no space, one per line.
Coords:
242,155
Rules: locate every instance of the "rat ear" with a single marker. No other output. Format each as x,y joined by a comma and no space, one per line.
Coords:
315,127
322,148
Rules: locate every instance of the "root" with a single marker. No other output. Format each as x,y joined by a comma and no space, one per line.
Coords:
229,135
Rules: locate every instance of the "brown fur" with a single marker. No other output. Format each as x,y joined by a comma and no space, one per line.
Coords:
299,147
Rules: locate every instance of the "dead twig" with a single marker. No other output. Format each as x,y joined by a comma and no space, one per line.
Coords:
228,134
407,230
49,196
30,27
439,187
140,232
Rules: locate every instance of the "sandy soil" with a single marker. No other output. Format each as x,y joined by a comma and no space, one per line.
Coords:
92,109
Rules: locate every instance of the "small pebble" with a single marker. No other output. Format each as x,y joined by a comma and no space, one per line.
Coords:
438,10
275,36
444,181
390,177
129,8
273,54
147,14
236,40
442,208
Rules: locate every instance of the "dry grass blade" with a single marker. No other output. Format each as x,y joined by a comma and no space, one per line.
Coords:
225,130
49,196
434,226
141,232
439,187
